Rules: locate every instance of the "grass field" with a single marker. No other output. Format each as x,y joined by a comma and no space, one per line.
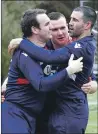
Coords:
92,127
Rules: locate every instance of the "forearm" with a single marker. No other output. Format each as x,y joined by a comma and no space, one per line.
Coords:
53,82
34,74
47,56
45,84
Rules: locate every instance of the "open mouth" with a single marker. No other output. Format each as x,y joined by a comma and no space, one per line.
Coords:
70,28
61,38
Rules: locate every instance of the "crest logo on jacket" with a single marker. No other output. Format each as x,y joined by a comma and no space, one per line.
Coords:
48,70
77,45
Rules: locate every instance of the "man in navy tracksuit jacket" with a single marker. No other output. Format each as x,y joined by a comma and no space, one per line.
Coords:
50,103
27,84
71,113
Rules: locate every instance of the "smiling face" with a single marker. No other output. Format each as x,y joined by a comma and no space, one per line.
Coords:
59,31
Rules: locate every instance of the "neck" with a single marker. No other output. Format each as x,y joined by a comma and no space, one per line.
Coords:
86,33
36,41
56,46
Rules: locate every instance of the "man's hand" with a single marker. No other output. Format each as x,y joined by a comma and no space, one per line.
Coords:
3,89
14,43
74,66
2,98
90,87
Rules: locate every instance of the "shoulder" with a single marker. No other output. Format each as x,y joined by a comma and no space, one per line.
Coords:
49,45
19,55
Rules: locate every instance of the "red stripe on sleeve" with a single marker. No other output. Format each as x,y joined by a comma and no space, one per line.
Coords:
22,81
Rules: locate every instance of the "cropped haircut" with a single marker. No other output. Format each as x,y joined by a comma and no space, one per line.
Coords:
89,14
55,15
29,19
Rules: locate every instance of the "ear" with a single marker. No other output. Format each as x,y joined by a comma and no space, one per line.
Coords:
35,30
88,25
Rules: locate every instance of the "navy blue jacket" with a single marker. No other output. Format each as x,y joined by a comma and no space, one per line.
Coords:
71,89
83,47
27,84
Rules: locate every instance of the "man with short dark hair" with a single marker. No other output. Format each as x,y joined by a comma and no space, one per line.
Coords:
60,38
27,84
71,112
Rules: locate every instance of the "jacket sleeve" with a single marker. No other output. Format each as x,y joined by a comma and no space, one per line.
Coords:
93,77
34,73
61,55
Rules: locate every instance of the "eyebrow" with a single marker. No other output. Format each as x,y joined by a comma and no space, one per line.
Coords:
58,28
74,18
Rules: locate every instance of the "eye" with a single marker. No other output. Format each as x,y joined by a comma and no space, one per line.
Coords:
62,28
54,29
46,24
74,19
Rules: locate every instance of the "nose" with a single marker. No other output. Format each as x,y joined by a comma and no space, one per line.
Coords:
70,23
59,32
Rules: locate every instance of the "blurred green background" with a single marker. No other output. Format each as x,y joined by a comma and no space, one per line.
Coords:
92,127
11,12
